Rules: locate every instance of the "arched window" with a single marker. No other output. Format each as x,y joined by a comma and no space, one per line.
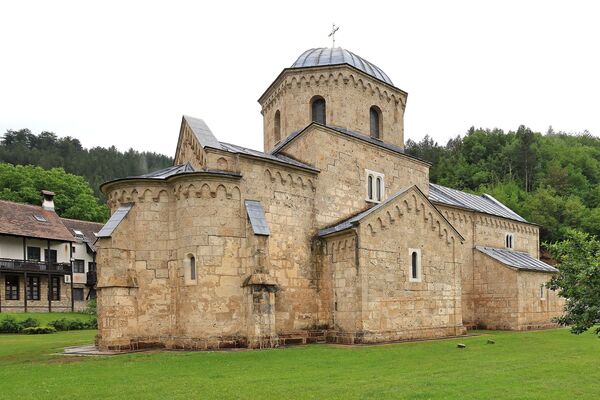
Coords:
509,241
192,268
375,186
415,272
318,110
277,126
413,265
375,118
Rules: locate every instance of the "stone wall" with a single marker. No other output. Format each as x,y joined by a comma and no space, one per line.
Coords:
349,94
41,305
536,308
507,298
342,183
485,230
393,306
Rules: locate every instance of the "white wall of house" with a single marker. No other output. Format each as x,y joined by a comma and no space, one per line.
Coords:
11,247
80,252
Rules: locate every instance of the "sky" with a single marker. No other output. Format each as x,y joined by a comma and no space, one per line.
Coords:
124,72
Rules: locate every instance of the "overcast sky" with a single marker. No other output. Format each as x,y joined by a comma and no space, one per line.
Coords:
123,73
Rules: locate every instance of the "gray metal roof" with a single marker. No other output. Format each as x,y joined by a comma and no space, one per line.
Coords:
484,203
232,148
257,217
203,133
115,220
348,223
516,259
170,171
336,56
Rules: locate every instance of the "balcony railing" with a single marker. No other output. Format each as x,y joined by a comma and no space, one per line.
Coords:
10,265
91,278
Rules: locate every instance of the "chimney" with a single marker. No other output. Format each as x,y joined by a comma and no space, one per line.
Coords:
48,200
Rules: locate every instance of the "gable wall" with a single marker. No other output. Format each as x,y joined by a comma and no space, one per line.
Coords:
342,182
190,150
393,307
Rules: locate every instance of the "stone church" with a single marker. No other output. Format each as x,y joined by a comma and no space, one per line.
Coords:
331,234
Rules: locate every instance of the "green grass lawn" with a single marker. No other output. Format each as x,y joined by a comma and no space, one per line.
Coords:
551,364
44,318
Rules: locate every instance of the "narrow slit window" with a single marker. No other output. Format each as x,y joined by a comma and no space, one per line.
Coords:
277,126
379,189
193,268
415,272
370,187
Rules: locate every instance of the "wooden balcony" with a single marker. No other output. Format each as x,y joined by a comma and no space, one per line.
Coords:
19,266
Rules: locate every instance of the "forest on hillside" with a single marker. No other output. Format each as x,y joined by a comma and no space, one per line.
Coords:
551,179
97,165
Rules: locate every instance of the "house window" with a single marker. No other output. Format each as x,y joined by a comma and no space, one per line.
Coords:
318,109
33,288
415,272
277,126
78,294
509,243
375,119
33,253
375,186
11,283
54,289
52,258
73,249
91,266
79,266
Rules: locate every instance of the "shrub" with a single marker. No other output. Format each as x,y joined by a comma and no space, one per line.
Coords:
29,323
38,330
92,323
64,324
10,325
91,307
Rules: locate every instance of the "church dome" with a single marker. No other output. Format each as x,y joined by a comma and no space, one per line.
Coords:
336,56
